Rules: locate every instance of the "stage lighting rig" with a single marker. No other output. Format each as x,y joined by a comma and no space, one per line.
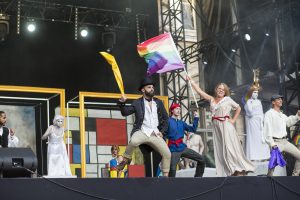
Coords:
108,38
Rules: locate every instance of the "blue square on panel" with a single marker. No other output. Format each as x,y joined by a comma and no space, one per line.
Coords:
77,154
87,153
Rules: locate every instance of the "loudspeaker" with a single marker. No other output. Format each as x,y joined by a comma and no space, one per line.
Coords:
16,162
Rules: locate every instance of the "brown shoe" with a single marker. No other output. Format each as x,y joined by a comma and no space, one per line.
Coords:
122,164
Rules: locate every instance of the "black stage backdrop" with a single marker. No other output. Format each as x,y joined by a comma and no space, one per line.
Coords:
230,188
50,57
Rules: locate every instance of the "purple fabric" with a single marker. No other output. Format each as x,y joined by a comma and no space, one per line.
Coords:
276,159
155,62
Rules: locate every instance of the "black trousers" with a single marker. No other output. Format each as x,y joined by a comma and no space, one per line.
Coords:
156,158
187,153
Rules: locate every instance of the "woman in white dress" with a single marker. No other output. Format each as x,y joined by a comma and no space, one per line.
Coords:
229,155
58,161
256,149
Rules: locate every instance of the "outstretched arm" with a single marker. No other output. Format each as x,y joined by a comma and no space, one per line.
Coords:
291,120
199,90
125,110
194,127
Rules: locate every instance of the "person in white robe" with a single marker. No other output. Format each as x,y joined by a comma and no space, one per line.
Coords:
58,161
256,148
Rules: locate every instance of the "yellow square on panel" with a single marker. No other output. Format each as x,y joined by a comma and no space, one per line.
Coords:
73,167
74,112
137,157
66,136
122,150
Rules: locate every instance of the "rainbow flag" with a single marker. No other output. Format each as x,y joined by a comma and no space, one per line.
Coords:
160,54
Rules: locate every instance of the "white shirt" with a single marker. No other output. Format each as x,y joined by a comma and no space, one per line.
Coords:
150,122
275,124
1,130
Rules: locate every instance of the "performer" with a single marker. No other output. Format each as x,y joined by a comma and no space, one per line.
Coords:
256,149
151,122
275,124
114,162
7,136
229,154
175,136
194,142
58,161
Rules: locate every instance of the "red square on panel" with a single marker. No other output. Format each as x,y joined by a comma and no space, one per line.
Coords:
111,131
136,171
70,152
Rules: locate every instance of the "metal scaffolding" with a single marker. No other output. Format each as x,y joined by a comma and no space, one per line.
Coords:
175,85
37,10
286,43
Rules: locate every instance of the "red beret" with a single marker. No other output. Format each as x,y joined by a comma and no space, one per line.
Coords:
173,106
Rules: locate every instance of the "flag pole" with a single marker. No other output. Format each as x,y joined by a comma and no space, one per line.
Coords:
191,88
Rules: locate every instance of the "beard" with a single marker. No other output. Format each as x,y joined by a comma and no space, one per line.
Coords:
149,94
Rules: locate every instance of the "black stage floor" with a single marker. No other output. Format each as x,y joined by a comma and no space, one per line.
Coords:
230,188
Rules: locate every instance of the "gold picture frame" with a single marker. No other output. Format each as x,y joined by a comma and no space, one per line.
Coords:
29,89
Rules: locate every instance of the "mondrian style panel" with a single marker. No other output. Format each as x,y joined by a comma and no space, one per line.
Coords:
104,128
111,131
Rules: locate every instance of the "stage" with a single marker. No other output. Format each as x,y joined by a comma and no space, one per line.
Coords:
230,188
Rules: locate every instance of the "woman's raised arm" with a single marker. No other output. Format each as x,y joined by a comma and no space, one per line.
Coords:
199,90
